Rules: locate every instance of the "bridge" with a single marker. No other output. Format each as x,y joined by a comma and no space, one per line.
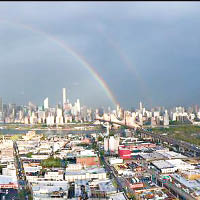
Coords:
185,146
113,119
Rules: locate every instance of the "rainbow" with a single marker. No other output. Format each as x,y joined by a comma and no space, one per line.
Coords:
82,60
128,64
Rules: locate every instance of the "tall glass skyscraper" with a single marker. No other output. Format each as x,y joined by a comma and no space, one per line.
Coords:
46,103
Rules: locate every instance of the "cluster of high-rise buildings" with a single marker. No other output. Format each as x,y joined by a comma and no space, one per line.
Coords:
45,114
158,116
67,112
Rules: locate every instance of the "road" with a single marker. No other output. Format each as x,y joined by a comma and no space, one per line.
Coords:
167,139
186,145
20,173
119,182
167,184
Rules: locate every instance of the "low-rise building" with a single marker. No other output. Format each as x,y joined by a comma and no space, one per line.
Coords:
89,174
164,166
57,175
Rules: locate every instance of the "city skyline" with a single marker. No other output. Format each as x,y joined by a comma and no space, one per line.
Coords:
68,112
65,100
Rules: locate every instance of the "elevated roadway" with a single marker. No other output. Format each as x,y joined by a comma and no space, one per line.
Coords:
185,145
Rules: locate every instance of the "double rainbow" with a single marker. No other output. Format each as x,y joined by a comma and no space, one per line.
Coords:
80,58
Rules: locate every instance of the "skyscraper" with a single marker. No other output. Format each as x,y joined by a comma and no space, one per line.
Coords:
46,103
166,118
64,96
140,106
78,106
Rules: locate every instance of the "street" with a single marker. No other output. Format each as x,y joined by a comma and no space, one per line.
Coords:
22,183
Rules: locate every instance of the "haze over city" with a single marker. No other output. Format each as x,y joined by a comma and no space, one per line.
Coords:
99,100
143,51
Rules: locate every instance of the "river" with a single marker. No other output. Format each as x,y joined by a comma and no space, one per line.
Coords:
48,132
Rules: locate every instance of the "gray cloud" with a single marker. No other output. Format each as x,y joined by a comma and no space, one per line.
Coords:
160,40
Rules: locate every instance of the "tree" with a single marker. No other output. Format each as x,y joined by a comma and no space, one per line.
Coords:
42,172
52,162
1,167
43,137
82,145
15,137
29,155
100,138
112,133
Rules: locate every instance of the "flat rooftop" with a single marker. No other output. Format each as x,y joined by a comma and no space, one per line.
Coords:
91,171
162,164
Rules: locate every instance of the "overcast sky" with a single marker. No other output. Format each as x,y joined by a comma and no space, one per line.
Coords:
144,51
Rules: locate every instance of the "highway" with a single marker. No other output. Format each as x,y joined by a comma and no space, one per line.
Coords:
167,139
180,193
185,145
